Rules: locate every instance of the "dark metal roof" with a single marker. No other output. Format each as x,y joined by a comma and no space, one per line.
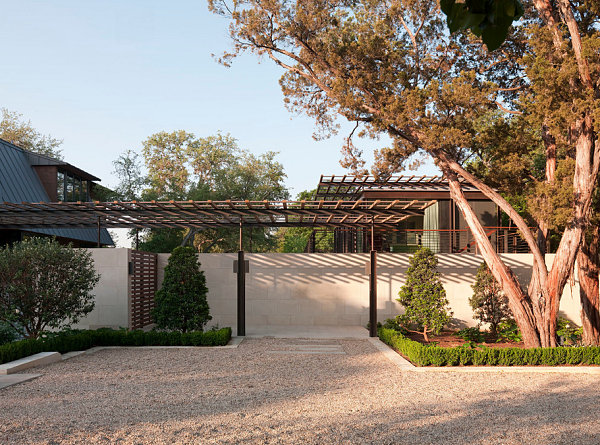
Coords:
352,187
39,159
207,214
20,183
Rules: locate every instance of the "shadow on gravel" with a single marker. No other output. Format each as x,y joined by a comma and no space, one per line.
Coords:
249,395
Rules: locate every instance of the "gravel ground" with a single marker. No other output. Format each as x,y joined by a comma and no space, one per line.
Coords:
253,395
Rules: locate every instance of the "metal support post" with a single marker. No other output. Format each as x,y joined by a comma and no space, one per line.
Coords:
373,295
373,285
241,294
241,288
98,232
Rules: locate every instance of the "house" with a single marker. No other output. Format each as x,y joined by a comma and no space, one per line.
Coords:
439,226
32,177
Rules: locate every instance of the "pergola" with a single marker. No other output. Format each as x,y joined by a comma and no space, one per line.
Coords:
209,214
348,187
219,214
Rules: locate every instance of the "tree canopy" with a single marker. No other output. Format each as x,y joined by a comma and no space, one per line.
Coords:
17,131
181,166
392,68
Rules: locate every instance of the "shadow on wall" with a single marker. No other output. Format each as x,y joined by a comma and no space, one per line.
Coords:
333,289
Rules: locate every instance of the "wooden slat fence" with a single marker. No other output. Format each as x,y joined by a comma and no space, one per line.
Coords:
142,286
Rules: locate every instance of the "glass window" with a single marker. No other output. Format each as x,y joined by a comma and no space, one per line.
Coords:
69,180
76,189
60,186
85,193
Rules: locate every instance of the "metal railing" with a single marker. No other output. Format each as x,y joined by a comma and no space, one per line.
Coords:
504,240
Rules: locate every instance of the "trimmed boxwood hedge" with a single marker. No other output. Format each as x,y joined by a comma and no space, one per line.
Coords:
81,340
431,355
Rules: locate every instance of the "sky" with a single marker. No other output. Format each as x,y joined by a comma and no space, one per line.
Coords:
104,75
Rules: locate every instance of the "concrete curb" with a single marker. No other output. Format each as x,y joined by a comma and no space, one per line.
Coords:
392,355
69,355
42,358
233,344
405,365
14,379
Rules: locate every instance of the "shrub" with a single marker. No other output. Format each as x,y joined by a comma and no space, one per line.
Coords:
488,302
7,333
44,284
509,331
181,303
568,332
423,296
426,355
471,335
80,340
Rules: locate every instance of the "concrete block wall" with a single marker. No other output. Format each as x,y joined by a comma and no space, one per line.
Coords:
333,289
111,292
306,289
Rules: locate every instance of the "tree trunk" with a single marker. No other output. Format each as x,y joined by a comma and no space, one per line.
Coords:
518,301
584,181
588,268
425,337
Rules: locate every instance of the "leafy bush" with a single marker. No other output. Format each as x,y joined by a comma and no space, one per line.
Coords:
423,296
80,340
44,284
181,303
430,355
509,331
488,302
471,335
7,334
392,323
568,332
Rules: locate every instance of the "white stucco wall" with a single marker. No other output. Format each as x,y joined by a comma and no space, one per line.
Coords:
333,289
111,308
305,289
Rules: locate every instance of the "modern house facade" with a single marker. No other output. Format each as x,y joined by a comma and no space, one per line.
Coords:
32,177
439,226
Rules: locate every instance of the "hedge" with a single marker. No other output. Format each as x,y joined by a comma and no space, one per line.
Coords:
431,355
81,340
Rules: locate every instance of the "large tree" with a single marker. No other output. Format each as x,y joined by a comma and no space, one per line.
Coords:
182,166
391,67
14,129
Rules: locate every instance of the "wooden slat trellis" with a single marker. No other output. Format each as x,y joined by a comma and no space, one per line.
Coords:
142,287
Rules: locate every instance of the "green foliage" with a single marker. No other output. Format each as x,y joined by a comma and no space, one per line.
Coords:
296,239
20,133
128,170
7,333
568,332
471,335
488,19
431,355
509,331
44,284
488,302
392,323
182,166
160,240
423,296
181,304
81,340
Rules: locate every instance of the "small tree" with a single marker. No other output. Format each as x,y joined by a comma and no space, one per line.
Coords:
423,296
181,304
44,284
488,302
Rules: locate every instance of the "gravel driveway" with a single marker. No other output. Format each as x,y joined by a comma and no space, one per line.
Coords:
290,391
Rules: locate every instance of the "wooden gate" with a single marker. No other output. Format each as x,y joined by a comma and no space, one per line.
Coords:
143,274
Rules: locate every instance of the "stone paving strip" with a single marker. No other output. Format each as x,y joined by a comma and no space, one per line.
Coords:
251,396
